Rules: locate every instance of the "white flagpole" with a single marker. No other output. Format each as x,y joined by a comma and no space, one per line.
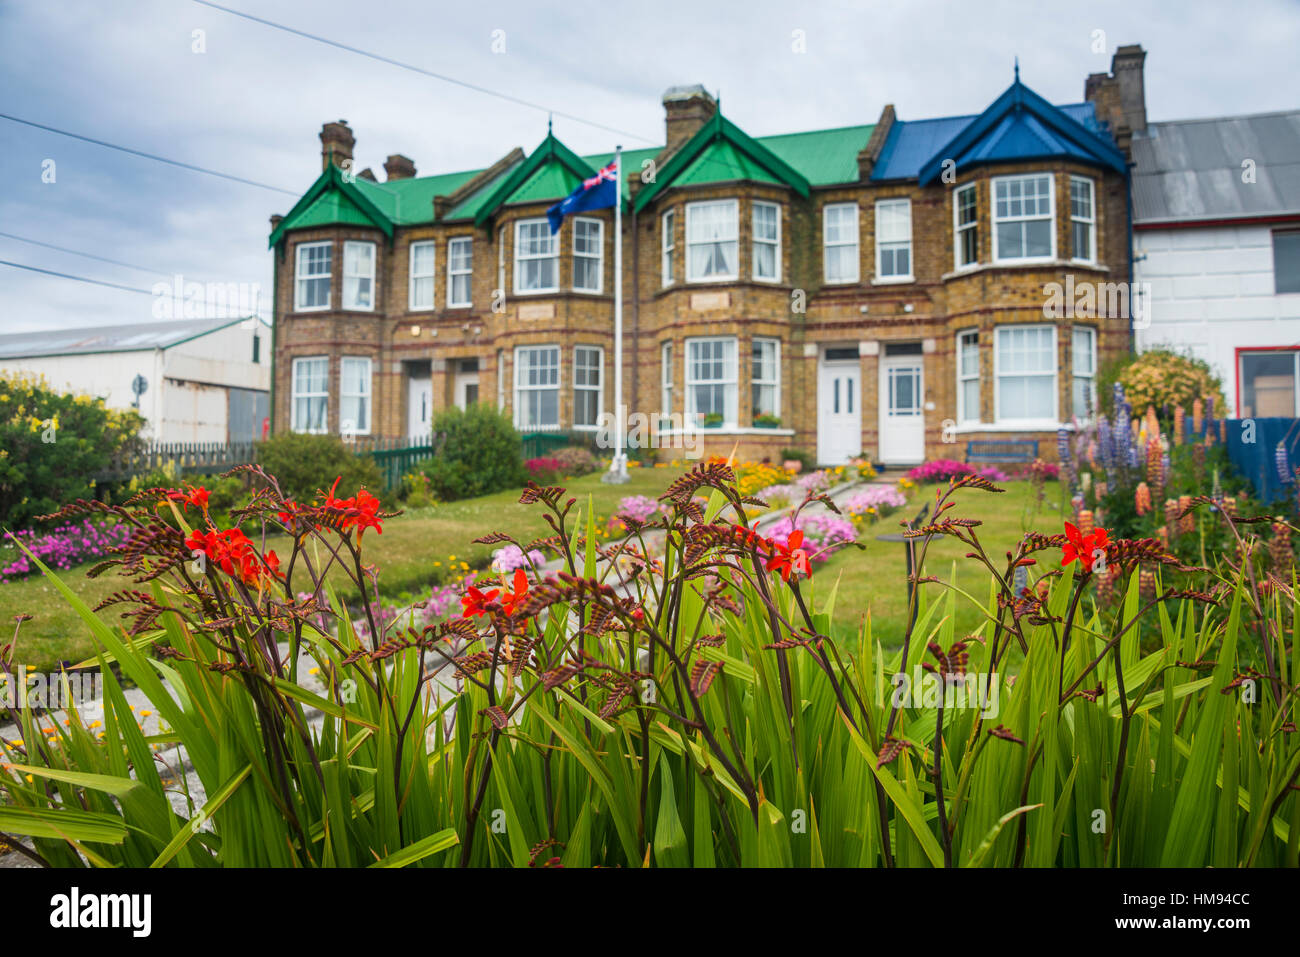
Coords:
618,465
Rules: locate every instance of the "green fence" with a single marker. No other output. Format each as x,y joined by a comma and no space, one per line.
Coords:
397,457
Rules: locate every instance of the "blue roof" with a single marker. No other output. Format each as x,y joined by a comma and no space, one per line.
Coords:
1019,125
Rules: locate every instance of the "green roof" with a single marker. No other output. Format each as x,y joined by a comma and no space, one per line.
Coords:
719,152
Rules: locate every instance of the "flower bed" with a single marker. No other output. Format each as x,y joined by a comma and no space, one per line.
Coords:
65,546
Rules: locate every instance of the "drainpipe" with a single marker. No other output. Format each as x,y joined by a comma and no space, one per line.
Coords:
636,313
1128,208
275,336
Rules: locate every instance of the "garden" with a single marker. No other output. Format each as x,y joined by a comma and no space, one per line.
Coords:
720,663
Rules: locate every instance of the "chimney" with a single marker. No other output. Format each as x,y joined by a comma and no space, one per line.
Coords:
367,174
336,142
871,152
398,166
686,109
276,220
1119,97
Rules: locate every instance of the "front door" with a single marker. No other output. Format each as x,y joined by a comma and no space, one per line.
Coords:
466,389
419,408
839,411
902,419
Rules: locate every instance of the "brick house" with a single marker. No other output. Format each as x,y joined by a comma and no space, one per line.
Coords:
883,289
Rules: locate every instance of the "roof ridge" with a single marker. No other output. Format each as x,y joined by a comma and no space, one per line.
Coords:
1220,119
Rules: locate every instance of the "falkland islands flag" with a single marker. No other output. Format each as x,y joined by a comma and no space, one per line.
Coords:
596,192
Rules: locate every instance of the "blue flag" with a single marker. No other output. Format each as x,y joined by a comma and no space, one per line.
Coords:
596,192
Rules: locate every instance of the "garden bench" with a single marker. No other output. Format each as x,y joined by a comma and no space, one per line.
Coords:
1016,450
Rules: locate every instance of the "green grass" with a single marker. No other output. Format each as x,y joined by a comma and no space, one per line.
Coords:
874,581
414,552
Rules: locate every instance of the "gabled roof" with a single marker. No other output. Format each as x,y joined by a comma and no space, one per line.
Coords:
1190,170
134,337
1020,125
548,168
720,145
359,203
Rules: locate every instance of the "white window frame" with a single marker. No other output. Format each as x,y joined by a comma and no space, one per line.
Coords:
666,378
598,388
1090,221
296,393
856,243
355,244
774,383
454,273
1029,425
995,220
430,277
299,278
361,428
1088,375
599,257
959,230
668,247
774,243
520,259
909,276
522,387
734,240
730,383
967,416
501,379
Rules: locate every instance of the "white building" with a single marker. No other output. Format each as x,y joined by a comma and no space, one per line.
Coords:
205,380
1216,233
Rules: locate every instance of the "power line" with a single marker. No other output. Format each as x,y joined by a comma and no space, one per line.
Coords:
78,252
421,70
152,156
86,279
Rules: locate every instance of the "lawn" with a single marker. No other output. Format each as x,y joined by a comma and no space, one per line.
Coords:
434,545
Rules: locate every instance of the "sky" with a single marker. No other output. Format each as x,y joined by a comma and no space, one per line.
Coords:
251,101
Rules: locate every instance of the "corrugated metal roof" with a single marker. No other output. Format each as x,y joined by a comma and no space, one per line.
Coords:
135,337
1189,170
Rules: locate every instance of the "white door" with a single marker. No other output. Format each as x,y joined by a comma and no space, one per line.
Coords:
466,386
902,418
839,412
419,408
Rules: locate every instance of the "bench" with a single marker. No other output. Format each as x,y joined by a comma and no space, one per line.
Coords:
1018,450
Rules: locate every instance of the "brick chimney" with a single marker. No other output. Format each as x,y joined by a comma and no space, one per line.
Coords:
686,109
398,166
1119,97
336,142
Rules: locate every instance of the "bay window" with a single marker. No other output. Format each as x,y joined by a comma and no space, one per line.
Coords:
310,391
537,257
711,380
711,241
840,242
354,396
968,377
767,242
359,275
588,254
1083,221
422,256
537,387
1022,218
587,362
894,240
1083,352
459,269
1024,371
765,378
312,281
965,227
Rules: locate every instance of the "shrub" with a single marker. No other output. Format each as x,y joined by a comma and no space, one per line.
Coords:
544,471
576,461
480,453
306,464
684,722
941,470
51,446
806,459
417,490
1164,379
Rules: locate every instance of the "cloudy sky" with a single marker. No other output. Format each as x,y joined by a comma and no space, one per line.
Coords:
251,104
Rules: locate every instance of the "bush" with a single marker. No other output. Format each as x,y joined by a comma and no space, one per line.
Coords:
51,446
417,490
544,471
304,464
480,453
576,461
806,459
941,470
1161,378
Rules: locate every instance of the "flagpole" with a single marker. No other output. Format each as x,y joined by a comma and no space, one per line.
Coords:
617,474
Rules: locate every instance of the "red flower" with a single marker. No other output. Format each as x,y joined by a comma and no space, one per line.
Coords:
234,554
361,511
474,602
1083,547
789,557
512,600
198,497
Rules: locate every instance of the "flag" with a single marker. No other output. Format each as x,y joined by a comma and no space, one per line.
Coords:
596,192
